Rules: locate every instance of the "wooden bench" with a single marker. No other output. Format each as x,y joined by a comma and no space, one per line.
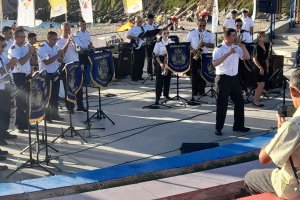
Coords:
264,196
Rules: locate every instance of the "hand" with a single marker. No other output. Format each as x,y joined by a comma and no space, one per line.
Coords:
162,65
31,49
6,78
13,61
193,51
232,50
280,120
261,71
60,53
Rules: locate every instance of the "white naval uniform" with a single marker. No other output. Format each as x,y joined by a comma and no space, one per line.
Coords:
160,47
19,52
230,65
84,39
194,38
229,23
247,23
71,54
44,53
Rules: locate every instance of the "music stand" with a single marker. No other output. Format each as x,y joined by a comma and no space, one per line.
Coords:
31,162
212,91
177,97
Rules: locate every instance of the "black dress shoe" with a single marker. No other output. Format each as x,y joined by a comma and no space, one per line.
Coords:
82,109
167,97
57,118
3,167
3,153
242,129
156,103
258,105
71,111
135,80
218,132
7,135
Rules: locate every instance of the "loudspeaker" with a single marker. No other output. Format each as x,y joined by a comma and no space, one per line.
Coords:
191,147
275,76
269,6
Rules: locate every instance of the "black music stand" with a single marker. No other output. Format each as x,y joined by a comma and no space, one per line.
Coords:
177,97
31,162
212,91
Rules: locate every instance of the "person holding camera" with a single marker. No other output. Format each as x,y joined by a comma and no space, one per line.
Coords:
284,151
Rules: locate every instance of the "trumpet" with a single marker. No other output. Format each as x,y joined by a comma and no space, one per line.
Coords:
197,55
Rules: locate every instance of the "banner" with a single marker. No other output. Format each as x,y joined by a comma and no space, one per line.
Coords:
58,7
254,10
103,69
215,17
178,57
133,6
40,92
86,10
26,13
208,71
74,79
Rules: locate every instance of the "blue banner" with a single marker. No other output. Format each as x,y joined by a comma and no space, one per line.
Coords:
178,57
74,79
40,92
103,69
208,71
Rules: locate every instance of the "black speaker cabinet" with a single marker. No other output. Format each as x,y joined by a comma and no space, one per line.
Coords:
269,6
191,147
122,59
275,76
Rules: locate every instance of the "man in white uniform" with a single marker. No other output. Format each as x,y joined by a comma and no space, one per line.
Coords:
248,23
86,44
68,44
48,55
230,22
22,69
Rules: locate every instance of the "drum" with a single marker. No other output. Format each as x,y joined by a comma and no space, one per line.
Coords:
208,71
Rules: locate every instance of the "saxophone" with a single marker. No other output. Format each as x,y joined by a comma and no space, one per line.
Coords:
197,55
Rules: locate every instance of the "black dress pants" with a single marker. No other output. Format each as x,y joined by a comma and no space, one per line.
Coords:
22,95
5,99
229,86
162,81
138,63
52,109
198,83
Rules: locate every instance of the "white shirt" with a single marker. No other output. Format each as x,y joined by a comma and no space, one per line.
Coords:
229,23
44,53
71,54
9,43
135,31
194,38
247,38
247,23
19,52
84,39
160,47
3,63
149,27
230,65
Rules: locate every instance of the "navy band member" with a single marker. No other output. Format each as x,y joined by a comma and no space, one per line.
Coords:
68,45
32,40
5,92
150,25
163,75
226,60
230,22
23,53
139,51
248,23
195,36
85,42
48,55
8,35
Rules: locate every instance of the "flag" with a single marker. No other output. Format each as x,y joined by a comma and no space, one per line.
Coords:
125,27
254,10
215,17
133,6
26,13
58,7
86,10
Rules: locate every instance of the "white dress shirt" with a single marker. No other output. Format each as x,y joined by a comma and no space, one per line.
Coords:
3,63
71,54
19,52
194,38
44,53
84,39
247,23
160,47
229,23
230,65
149,27
9,43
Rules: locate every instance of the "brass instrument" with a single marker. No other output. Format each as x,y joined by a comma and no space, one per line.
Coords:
197,55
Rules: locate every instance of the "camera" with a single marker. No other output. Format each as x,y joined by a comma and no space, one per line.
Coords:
286,110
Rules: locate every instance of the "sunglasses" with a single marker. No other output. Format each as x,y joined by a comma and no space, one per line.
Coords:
202,25
165,33
238,25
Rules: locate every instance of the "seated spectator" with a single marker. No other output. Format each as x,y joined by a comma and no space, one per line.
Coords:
284,151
